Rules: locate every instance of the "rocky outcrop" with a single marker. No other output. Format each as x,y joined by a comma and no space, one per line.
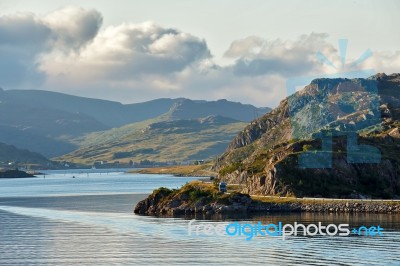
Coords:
14,174
192,198
257,128
265,157
200,198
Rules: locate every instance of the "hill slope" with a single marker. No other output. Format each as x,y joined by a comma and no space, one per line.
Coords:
109,113
9,153
158,140
189,109
50,122
334,138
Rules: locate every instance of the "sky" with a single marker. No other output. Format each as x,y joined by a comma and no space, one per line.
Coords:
133,51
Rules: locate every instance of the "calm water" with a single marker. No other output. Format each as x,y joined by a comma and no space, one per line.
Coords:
89,220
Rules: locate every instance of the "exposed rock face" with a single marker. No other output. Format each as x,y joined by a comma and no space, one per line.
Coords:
257,128
148,205
264,157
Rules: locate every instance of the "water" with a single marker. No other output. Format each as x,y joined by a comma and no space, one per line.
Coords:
79,182
88,220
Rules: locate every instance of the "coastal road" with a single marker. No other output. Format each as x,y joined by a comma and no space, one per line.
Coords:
321,199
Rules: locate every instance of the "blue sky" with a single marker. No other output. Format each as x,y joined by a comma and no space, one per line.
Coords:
132,51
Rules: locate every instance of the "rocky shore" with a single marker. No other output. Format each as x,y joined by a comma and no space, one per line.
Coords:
330,207
198,197
14,174
156,205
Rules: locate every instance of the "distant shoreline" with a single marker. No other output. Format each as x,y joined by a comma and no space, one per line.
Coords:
179,170
15,174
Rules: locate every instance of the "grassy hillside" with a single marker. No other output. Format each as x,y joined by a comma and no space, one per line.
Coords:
158,140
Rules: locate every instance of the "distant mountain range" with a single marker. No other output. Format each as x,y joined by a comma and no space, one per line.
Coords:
334,138
55,124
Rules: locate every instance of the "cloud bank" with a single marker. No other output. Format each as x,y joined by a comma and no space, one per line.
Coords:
68,50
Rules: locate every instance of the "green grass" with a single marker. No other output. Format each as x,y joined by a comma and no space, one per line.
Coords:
197,191
230,168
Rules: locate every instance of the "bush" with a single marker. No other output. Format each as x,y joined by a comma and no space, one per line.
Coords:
230,168
307,147
163,191
197,194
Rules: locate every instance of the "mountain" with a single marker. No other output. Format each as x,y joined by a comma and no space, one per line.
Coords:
32,141
159,140
115,114
51,123
335,138
108,113
189,109
9,153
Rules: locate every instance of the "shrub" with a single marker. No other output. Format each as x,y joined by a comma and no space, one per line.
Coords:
307,147
197,194
230,168
163,190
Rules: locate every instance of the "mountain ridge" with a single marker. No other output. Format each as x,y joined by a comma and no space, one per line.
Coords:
52,123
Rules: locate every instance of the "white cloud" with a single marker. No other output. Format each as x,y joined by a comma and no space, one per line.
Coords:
388,62
67,50
256,56
129,52
24,38
73,26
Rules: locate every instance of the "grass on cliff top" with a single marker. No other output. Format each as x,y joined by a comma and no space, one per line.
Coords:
197,191
208,192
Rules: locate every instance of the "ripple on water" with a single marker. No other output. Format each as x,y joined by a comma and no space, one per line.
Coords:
36,228
66,233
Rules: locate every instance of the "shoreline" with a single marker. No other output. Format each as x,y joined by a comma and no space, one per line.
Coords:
328,206
12,174
274,207
201,170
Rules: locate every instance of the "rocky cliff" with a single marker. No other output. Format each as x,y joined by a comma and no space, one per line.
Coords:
335,138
